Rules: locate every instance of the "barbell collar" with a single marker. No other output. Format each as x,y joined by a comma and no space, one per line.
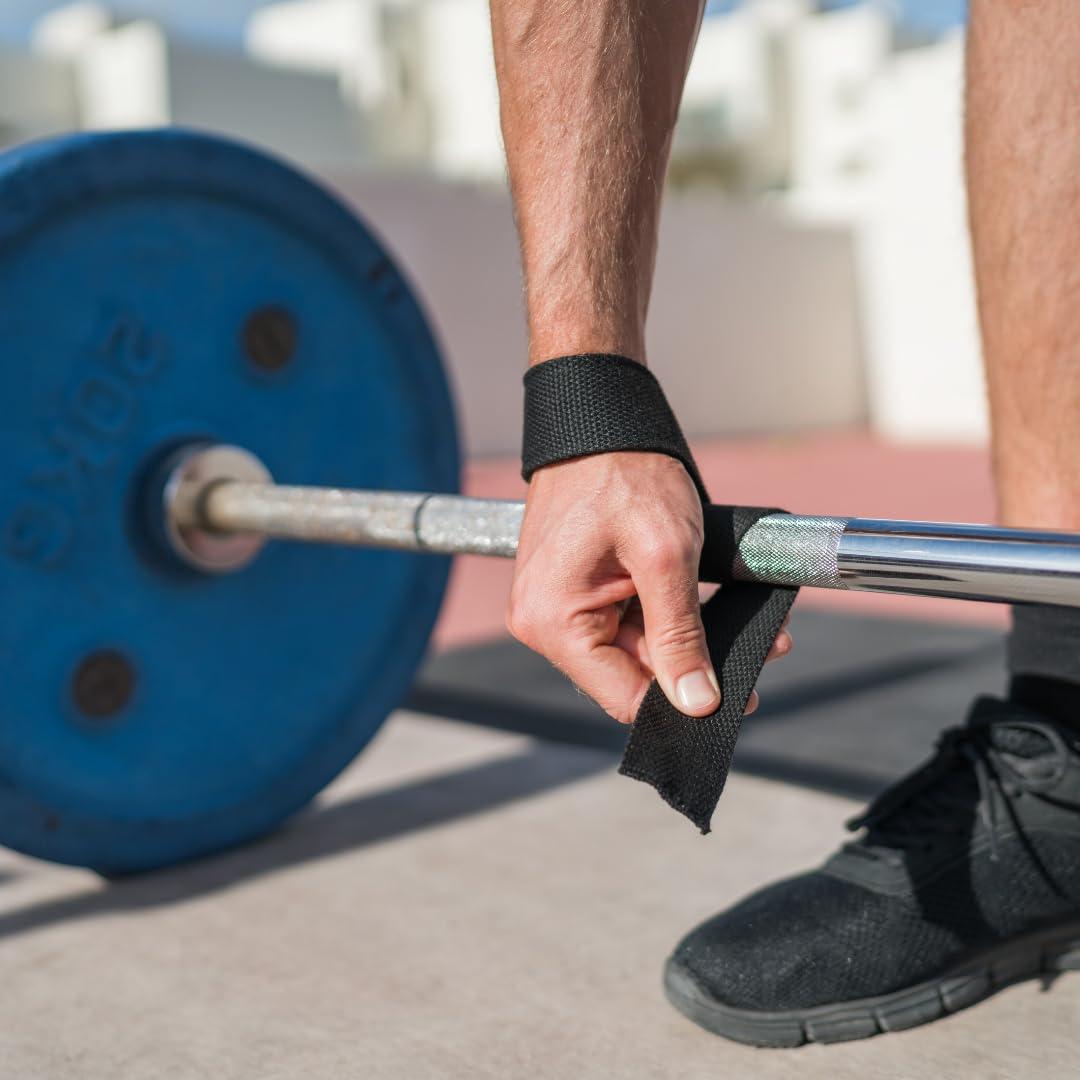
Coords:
972,562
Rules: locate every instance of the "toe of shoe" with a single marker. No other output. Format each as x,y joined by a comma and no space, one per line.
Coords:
793,945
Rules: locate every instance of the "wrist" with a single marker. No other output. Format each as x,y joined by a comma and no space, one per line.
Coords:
549,338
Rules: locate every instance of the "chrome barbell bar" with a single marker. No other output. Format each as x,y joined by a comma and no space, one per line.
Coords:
220,505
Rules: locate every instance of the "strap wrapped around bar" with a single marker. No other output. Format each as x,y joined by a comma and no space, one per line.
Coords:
594,403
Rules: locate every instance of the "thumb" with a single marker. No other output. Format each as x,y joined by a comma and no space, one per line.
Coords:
675,639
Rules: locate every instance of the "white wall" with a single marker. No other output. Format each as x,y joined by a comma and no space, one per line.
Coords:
338,37
37,96
458,66
729,72
753,326
123,77
133,75
832,63
923,350
424,69
63,32
298,114
728,108
373,48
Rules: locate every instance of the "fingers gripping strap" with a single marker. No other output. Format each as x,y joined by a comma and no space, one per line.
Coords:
595,403
687,758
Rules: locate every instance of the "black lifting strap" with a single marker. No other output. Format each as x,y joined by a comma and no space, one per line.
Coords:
687,758
596,403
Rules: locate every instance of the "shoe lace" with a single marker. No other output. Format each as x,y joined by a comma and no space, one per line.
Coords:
936,799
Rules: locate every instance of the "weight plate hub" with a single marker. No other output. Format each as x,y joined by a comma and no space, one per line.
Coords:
159,288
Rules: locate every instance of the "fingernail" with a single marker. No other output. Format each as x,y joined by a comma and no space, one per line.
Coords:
697,691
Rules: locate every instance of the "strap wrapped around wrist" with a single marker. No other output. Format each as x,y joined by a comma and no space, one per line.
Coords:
595,403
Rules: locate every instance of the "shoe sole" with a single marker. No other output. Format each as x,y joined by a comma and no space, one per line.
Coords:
1047,952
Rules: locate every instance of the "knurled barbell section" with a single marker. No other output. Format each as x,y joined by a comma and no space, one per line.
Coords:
788,549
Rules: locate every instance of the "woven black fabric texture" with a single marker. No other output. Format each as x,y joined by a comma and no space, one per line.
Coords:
819,940
1058,698
1045,642
595,403
953,866
590,404
687,758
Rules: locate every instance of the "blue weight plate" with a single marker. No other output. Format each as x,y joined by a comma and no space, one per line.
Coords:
149,713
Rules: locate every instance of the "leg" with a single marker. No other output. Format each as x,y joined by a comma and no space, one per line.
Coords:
935,905
1023,165
1023,168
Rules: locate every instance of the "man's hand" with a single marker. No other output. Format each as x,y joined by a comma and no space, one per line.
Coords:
606,581
606,578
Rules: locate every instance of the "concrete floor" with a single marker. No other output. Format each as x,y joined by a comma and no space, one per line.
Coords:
461,903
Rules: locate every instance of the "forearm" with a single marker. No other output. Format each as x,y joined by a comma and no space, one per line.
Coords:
589,92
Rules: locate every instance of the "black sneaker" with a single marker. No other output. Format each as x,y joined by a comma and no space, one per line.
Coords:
966,879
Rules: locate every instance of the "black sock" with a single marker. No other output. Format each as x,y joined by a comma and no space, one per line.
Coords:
1044,661
1056,698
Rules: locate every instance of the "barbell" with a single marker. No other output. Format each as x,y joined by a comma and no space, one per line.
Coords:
185,319
219,505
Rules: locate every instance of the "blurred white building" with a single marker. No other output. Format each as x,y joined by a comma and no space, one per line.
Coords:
843,126
821,109
832,65
37,96
128,72
917,295
368,49
731,125
814,266
423,67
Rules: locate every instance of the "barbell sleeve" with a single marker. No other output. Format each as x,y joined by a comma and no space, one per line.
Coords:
973,562
446,524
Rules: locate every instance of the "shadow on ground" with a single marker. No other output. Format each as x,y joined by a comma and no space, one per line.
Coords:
858,701
320,832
